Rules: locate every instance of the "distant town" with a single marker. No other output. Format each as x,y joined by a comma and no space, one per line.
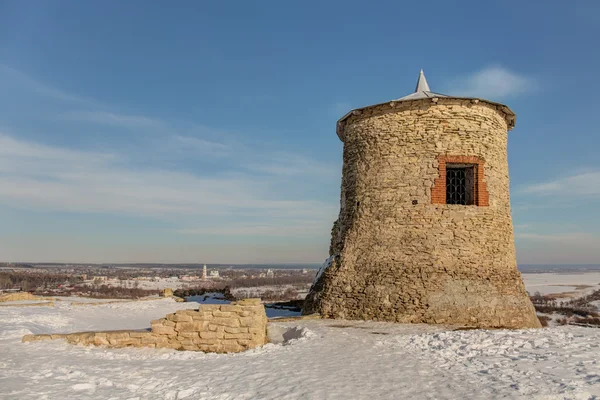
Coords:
269,282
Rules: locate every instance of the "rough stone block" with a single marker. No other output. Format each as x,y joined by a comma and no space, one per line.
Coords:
184,326
218,313
205,341
101,341
231,308
231,322
200,325
237,336
151,339
179,318
230,346
174,346
58,336
163,330
209,308
247,321
189,334
35,338
140,334
209,335
185,312
186,341
82,338
131,342
235,330
209,348
248,302
202,316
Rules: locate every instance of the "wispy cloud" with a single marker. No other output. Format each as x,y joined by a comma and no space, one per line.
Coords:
78,108
54,178
203,146
14,151
288,164
199,180
112,118
493,82
582,184
17,78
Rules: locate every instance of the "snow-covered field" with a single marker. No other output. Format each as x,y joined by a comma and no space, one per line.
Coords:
75,299
155,284
318,360
554,283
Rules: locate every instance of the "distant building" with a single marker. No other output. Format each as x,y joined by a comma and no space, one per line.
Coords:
214,273
270,273
204,272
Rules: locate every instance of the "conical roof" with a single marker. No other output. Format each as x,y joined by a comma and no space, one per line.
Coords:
422,85
422,90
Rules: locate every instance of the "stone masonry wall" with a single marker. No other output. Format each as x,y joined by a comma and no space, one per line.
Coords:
219,328
398,256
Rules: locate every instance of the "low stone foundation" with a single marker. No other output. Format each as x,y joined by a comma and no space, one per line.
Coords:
218,328
20,296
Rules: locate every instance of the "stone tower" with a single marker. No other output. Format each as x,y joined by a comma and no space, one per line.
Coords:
424,232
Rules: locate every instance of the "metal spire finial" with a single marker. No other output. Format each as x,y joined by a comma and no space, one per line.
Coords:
422,85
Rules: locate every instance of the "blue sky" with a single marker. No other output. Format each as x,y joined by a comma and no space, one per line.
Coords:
205,131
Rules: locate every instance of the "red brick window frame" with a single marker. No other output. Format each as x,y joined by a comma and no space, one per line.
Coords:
438,192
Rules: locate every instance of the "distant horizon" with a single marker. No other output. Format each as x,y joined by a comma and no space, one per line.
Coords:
524,267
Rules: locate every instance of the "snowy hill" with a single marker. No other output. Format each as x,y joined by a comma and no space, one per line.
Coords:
317,360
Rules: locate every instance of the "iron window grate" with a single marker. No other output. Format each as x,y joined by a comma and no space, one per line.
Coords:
457,190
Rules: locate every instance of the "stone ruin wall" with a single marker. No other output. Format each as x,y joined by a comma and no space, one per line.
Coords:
435,263
219,328
19,296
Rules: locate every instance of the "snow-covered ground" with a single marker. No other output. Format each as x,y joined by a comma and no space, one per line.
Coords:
23,302
553,283
155,284
319,360
76,299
